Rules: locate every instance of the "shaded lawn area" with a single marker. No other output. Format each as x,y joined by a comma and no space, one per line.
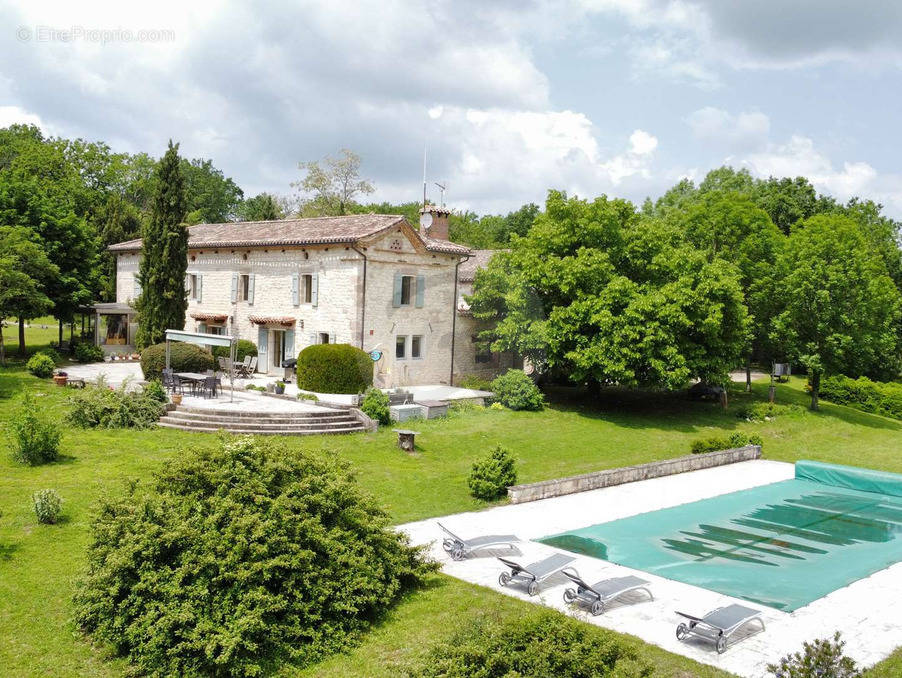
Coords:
38,564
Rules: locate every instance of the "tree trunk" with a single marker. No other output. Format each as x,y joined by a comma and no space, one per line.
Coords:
2,346
815,390
60,340
22,337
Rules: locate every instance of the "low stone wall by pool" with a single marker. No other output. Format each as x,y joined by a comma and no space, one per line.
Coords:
630,474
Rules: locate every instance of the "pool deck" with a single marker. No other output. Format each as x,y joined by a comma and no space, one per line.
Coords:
867,612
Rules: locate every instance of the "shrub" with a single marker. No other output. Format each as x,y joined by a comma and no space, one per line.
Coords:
334,368
182,358
515,390
254,387
98,406
715,443
53,354
47,506
820,659
88,353
243,348
766,411
233,559
490,477
375,406
475,382
539,643
884,398
41,365
307,396
35,440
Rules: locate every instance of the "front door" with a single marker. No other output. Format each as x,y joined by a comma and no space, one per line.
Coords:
277,347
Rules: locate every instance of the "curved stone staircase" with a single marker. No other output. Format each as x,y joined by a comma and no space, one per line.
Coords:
301,423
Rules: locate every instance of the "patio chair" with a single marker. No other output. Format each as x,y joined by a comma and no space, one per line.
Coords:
167,379
596,596
718,625
535,573
243,369
209,386
459,548
252,367
224,364
178,386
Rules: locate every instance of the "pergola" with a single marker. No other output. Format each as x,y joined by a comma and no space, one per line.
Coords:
203,339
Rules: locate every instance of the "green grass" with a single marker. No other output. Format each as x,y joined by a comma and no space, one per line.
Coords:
38,564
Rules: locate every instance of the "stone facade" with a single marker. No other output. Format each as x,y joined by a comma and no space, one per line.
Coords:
260,291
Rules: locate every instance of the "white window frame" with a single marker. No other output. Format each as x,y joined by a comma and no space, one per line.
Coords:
192,286
411,289
306,288
244,286
403,344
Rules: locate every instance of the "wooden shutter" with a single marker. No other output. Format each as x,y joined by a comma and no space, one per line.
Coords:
234,287
288,352
250,288
262,344
200,288
295,289
396,296
314,294
421,290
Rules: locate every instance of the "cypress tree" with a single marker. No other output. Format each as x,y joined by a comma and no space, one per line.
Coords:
164,256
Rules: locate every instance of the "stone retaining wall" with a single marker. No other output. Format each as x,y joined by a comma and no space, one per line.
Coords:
630,474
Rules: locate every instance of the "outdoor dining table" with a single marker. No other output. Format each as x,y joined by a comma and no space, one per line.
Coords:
194,377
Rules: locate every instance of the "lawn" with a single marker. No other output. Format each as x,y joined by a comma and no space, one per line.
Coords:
39,563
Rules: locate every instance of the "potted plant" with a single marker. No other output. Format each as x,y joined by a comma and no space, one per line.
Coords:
60,378
176,398
280,387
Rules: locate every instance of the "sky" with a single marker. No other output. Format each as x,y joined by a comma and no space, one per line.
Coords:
509,98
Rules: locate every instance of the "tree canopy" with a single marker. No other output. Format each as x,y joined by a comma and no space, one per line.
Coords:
605,296
330,187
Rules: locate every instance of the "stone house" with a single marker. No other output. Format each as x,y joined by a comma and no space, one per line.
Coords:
370,280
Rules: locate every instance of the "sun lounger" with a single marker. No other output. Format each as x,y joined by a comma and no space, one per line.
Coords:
459,548
599,594
535,573
718,625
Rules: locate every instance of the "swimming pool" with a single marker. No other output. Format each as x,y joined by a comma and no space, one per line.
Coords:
783,545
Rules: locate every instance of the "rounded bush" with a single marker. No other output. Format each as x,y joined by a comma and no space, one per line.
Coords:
540,643
243,348
35,440
182,358
88,353
375,405
515,390
41,365
490,477
53,354
47,506
334,368
233,559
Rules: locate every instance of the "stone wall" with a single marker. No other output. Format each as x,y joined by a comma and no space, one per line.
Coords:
465,353
630,474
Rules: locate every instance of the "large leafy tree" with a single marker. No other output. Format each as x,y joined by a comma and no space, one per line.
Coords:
164,256
211,197
117,220
609,297
331,187
842,310
262,207
41,190
25,271
728,225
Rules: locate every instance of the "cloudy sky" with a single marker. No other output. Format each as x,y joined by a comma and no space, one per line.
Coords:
622,97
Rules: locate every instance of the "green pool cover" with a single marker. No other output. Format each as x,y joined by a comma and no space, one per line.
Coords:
782,545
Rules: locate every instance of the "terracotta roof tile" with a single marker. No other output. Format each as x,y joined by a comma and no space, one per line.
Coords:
313,231
479,259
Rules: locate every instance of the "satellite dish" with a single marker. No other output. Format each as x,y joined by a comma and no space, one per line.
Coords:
426,220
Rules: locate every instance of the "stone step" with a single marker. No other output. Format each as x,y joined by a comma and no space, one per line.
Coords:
260,426
244,414
221,417
257,431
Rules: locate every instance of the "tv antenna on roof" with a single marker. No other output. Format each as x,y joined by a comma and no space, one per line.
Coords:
424,175
441,189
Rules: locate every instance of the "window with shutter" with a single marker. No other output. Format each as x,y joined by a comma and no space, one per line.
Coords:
421,290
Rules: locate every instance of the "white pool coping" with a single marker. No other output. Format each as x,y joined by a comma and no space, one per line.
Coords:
868,612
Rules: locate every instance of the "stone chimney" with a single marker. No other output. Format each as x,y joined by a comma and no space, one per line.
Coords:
434,221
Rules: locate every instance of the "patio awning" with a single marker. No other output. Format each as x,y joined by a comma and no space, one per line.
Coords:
200,338
285,320
107,308
211,317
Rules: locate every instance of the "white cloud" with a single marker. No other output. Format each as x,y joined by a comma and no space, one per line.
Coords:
642,143
12,115
717,127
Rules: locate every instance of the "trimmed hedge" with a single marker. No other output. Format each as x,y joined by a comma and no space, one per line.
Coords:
231,561
334,368
540,643
716,443
243,348
182,358
876,397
